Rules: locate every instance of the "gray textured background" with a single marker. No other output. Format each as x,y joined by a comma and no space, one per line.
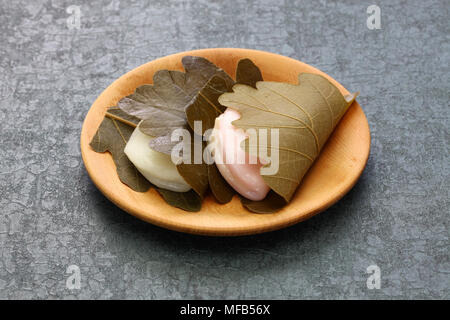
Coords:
52,216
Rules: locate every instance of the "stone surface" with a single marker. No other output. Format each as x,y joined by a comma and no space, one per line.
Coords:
52,216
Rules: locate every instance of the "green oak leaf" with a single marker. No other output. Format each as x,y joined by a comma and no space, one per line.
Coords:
205,107
248,73
112,136
271,203
161,107
188,201
305,115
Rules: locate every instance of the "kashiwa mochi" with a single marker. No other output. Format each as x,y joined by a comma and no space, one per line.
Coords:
239,169
156,167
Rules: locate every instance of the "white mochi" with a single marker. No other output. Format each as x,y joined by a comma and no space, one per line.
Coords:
156,167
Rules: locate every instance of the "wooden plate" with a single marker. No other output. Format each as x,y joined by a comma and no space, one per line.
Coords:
333,174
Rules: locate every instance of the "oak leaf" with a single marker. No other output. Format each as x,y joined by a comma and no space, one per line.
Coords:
304,114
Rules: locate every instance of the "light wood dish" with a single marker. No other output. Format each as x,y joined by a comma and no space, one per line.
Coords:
333,174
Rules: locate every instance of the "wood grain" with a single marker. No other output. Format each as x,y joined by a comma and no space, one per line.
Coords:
333,174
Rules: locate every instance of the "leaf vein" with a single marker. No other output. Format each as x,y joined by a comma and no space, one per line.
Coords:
284,115
295,104
209,102
326,101
118,130
285,149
